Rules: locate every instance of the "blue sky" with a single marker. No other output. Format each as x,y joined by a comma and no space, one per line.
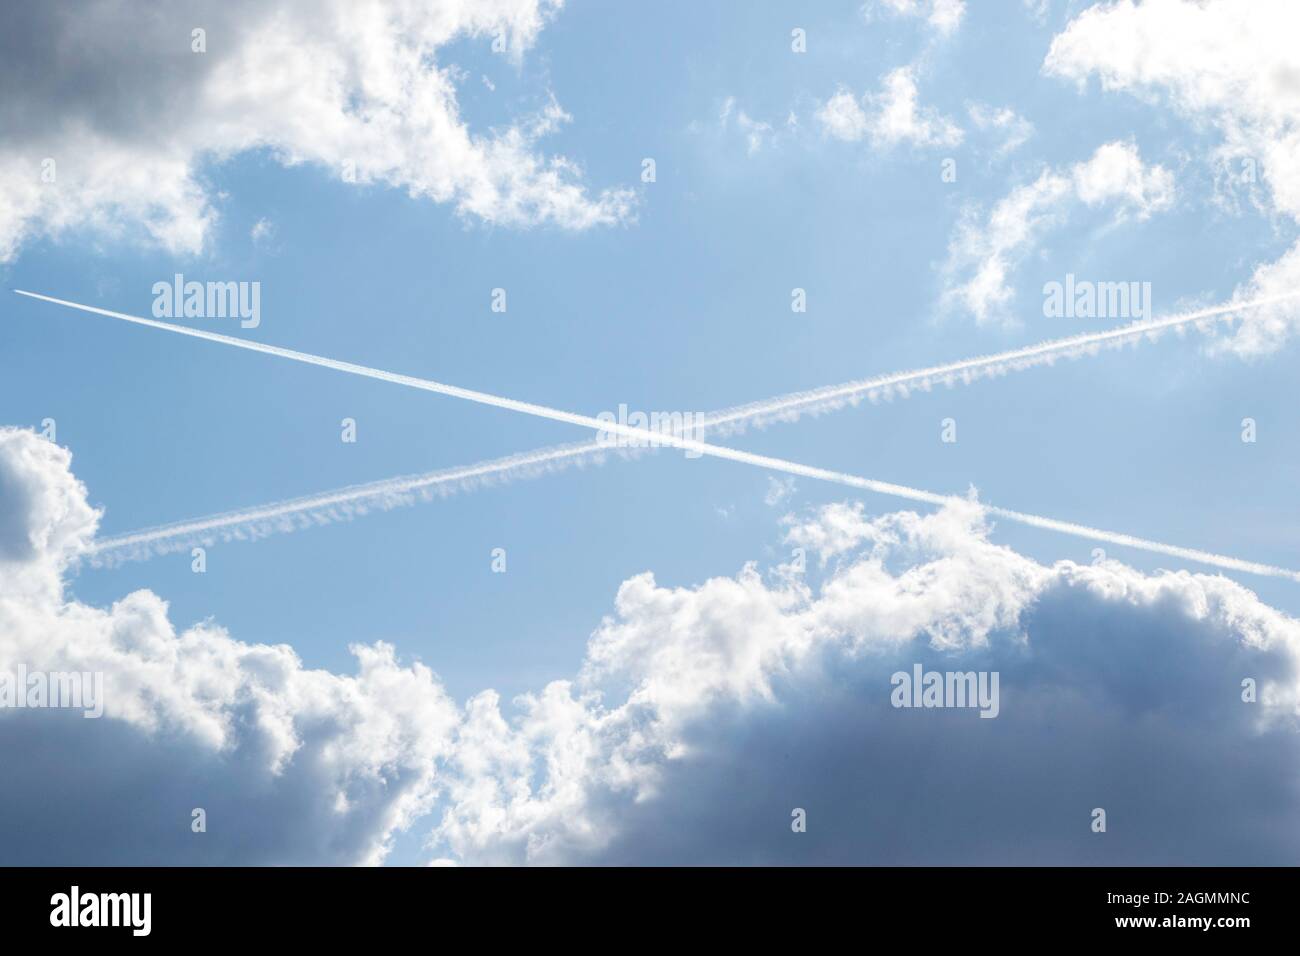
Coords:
682,303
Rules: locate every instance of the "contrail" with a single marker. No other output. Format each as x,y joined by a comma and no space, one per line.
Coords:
346,503
678,441
640,435
796,404
410,381
341,504
786,407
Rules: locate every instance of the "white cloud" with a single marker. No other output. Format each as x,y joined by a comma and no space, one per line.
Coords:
983,254
756,132
129,114
1115,173
335,763
900,120
631,758
1229,65
842,117
737,653
835,529
263,231
891,117
943,16
1037,9
778,490
45,522
1013,128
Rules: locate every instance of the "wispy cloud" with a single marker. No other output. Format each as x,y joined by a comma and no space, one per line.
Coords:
983,253
942,16
1225,66
1012,128
354,87
756,132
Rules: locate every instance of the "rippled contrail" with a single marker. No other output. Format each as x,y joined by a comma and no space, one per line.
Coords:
345,503
268,513
796,404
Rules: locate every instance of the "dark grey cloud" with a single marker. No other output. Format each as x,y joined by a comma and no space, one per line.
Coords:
725,707
1134,709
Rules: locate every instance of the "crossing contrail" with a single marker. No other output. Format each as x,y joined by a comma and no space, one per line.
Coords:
605,427
345,503
647,436
786,407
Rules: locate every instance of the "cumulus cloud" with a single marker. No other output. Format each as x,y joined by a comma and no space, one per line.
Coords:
890,117
842,117
745,697
289,763
893,115
45,522
108,123
985,250
1224,65
699,718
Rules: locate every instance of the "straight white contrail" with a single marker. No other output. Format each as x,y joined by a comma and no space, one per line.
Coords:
783,407
645,435
678,441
